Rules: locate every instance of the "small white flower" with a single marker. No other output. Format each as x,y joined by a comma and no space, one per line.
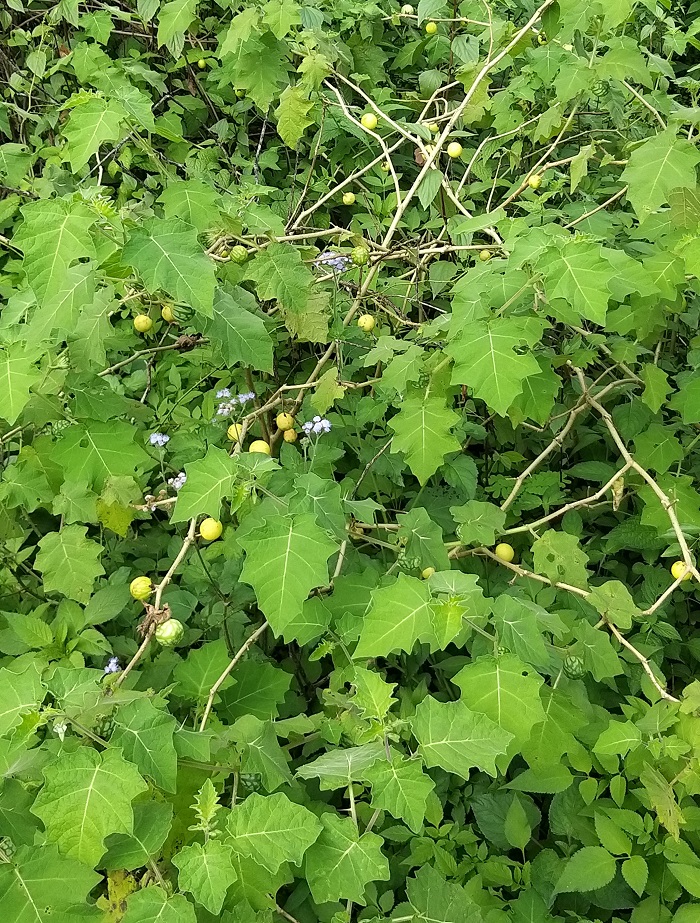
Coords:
159,439
223,392
112,665
60,728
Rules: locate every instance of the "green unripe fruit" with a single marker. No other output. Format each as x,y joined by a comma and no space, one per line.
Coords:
169,633
369,121
201,64
238,254
348,198
573,667
427,573
484,255
360,256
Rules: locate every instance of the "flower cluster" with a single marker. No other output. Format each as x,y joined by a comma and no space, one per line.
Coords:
159,439
227,407
113,665
334,261
178,481
316,426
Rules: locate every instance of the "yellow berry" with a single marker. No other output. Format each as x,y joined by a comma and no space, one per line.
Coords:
384,166
369,121
504,552
348,198
142,323
290,435
259,445
234,432
534,181
484,255
407,9
679,569
240,93
366,323
427,572
433,128
210,529
168,314
224,254
431,28
141,587
284,421
201,64
454,149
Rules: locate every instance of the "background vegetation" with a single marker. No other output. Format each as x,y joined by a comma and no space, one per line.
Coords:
440,663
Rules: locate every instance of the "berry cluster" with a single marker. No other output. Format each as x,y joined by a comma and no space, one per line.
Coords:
335,261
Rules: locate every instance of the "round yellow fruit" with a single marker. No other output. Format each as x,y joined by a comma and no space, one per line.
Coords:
484,255
454,149
290,435
433,128
234,432
427,573
240,93
369,121
224,254
679,570
348,198
141,587
366,323
407,9
384,166
284,421
431,28
504,552
210,529
201,64
168,314
142,323
259,445
534,181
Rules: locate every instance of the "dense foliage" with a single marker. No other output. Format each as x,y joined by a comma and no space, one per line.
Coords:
350,380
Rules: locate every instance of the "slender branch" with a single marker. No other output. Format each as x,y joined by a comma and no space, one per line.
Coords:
217,685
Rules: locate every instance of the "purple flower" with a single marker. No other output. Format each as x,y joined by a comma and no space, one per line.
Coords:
317,426
178,481
245,397
159,439
334,261
223,392
113,665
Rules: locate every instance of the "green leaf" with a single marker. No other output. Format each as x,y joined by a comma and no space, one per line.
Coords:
658,166
154,905
340,864
210,480
338,768
657,448
174,18
207,872
192,201
373,696
69,562
635,872
516,621
40,886
271,829
478,523
558,555
93,454
19,693
401,788
259,690
55,233
614,602
590,868
486,360
505,690
167,255
517,828
152,820
422,432
89,126
577,272
145,735
285,559
18,373
204,665
280,275
86,796
611,836
293,115
457,739
239,335
261,752
656,387
398,617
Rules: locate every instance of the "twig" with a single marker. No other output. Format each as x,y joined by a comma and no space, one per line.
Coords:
643,660
217,685
188,540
